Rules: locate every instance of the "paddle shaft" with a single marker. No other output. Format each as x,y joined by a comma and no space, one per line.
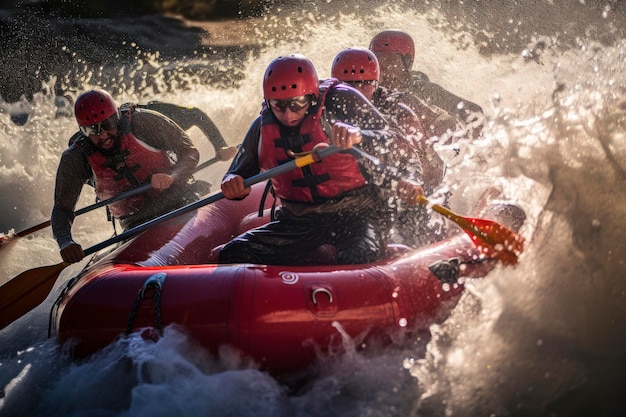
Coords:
207,163
461,221
121,196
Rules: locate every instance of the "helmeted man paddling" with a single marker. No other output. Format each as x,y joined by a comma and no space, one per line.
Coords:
115,150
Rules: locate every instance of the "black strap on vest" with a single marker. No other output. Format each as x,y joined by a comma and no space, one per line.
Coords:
117,162
268,189
311,181
293,143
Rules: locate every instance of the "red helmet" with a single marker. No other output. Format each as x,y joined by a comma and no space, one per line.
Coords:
394,41
93,107
355,64
290,76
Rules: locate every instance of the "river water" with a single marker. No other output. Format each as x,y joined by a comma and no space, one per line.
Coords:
544,338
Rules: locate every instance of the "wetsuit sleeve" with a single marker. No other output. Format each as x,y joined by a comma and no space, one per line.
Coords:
188,117
206,125
380,138
246,162
161,133
441,98
73,172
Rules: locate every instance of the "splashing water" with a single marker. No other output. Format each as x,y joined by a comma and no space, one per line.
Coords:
543,338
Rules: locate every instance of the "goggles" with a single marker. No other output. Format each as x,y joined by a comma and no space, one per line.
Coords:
295,104
96,129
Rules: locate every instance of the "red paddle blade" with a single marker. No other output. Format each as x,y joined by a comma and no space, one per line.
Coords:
495,240
492,239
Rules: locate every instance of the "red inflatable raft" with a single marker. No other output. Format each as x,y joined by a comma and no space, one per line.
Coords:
282,317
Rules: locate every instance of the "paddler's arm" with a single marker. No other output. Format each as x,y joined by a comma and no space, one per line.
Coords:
73,172
245,164
444,99
187,117
346,136
380,139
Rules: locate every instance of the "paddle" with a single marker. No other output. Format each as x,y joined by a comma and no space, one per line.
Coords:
121,196
207,163
30,288
491,238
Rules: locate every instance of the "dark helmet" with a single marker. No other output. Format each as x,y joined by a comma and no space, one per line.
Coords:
93,107
355,64
394,41
290,76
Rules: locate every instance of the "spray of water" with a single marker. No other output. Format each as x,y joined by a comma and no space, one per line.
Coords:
543,338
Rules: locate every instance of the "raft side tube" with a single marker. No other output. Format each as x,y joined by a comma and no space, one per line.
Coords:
102,307
283,317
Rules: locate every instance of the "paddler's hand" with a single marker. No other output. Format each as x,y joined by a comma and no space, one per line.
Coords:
344,135
226,153
72,253
160,181
408,191
233,189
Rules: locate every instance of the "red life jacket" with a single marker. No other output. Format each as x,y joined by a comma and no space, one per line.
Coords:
131,165
324,180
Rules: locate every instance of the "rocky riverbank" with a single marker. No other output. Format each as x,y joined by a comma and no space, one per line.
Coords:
50,40
38,47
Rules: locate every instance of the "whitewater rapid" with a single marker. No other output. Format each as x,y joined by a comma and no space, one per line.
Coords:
543,338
